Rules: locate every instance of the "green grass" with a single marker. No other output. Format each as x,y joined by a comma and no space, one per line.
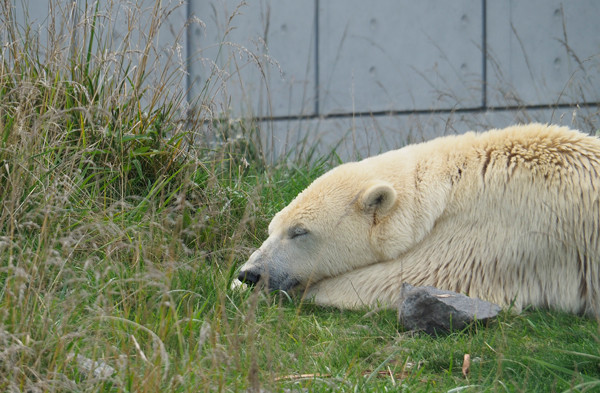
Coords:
120,231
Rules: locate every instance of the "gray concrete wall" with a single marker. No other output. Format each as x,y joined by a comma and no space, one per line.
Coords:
129,36
364,77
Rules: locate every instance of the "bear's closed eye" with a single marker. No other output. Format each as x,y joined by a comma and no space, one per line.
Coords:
296,231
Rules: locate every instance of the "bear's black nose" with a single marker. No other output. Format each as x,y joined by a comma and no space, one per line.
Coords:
249,277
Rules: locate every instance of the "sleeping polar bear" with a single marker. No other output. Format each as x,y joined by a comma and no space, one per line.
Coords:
509,216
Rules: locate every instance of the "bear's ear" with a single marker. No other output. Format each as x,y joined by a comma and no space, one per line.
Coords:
378,197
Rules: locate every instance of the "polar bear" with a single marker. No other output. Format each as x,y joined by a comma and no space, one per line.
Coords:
510,216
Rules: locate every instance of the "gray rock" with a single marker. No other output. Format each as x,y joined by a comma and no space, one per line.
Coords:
437,311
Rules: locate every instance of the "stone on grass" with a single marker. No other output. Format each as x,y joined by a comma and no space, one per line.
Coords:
436,311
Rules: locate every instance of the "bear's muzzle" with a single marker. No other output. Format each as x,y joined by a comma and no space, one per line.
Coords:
249,277
275,282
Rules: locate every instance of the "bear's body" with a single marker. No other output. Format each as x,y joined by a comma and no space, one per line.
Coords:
510,216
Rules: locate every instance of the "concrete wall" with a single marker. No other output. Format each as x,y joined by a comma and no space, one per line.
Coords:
365,77
125,42
370,76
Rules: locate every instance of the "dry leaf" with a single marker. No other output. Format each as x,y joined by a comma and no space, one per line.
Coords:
466,367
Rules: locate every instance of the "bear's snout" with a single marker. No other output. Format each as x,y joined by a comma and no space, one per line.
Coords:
249,277
268,265
282,282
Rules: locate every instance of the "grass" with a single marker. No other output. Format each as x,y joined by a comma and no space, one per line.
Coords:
121,228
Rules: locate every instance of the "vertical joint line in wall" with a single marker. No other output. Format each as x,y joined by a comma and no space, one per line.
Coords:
189,31
317,103
484,54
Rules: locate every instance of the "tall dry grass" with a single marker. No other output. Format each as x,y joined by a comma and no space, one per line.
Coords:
119,224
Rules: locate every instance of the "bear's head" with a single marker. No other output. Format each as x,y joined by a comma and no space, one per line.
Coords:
344,220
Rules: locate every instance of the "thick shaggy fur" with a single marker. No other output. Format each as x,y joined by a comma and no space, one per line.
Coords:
511,216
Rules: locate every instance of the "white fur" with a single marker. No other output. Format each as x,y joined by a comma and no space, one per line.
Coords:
509,216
